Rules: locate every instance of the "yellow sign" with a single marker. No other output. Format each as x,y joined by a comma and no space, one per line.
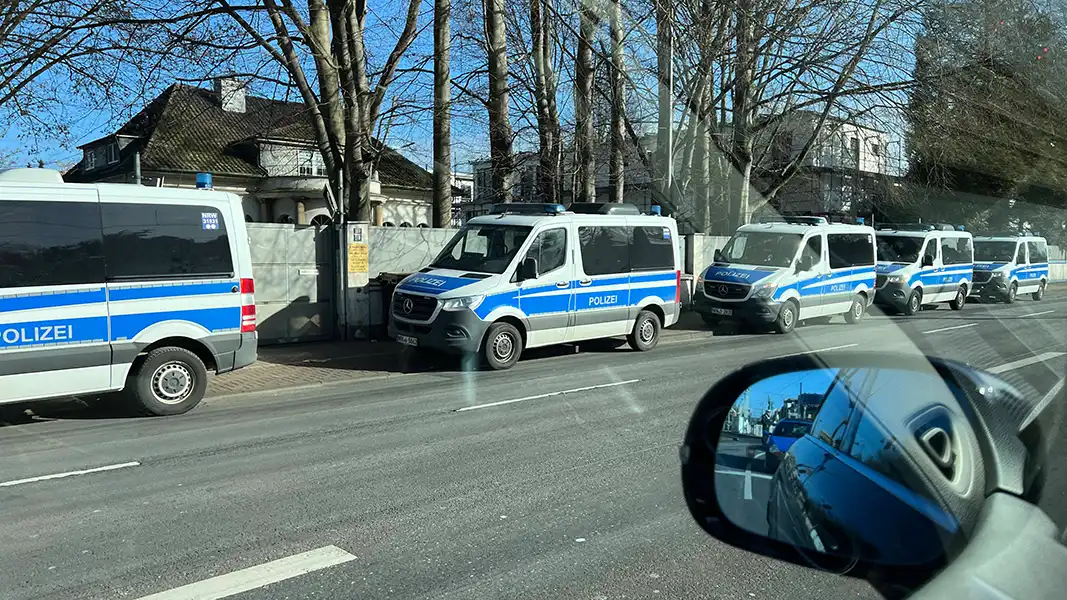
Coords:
357,258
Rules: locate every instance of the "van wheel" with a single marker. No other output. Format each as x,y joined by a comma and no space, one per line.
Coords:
915,303
645,335
1013,293
856,311
1040,293
960,300
503,346
169,381
787,318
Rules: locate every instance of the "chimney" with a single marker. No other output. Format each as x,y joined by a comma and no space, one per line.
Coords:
231,92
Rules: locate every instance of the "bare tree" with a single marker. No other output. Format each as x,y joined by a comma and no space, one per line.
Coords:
442,117
545,84
498,102
585,184
617,165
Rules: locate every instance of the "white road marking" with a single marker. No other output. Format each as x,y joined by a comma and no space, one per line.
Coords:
748,484
1024,362
548,395
258,576
1042,404
964,326
842,347
1038,314
727,471
69,474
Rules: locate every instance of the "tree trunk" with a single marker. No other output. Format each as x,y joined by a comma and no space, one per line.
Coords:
499,122
583,106
618,107
665,71
442,118
545,94
742,112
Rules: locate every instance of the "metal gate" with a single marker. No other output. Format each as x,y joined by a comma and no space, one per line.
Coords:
293,268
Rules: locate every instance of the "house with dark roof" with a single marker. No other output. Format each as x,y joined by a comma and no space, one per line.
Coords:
259,148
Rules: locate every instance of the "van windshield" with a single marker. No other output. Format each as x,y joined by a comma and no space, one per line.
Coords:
994,251
482,248
762,248
899,248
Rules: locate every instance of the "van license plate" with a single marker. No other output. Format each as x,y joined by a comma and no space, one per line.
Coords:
726,312
407,340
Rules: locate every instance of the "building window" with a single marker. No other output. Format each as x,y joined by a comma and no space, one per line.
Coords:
286,219
160,241
405,224
320,221
49,243
423,226
310,164
388,224
90,160
111,153
876,149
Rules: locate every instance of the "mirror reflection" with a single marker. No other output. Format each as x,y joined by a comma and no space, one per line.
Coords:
844,462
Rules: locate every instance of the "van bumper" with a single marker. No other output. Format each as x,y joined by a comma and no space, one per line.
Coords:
753,310
894,295
453,331
249,350
994,289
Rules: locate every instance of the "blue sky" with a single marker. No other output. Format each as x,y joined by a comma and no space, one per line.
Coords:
780,388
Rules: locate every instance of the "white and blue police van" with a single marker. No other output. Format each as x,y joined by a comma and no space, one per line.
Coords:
786,270
532,275
112,287
1008,265
921,264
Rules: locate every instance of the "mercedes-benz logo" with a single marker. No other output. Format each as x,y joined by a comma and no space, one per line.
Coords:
409,305
724,290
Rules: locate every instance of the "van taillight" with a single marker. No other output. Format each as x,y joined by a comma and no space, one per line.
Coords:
678,286
248,305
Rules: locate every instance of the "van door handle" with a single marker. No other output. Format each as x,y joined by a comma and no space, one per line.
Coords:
585,282
562,284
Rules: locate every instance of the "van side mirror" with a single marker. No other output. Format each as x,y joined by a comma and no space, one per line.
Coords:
804,263
928,260
528,269
718,255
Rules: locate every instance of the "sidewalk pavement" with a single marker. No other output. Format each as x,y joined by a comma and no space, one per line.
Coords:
298,365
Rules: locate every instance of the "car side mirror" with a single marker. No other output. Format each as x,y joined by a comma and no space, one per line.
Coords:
528,269
928,260
757,473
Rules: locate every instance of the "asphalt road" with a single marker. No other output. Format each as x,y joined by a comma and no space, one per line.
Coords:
395,493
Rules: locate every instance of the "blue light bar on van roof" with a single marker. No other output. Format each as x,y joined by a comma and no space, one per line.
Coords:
526,208
795,220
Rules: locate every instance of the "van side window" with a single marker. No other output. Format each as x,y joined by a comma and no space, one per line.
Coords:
605,250
50,243
653,249
850,249
955,251
550,250
1038,252
163,240
831,422
813,249
930,249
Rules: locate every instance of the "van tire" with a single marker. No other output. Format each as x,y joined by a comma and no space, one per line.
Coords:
1039,295
169,381
787,318
914,304
502,346
645,334
960,300
1013,294
857,310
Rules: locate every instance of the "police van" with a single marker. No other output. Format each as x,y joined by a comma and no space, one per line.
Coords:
923,264
532,275
110,287
786,270
1008,265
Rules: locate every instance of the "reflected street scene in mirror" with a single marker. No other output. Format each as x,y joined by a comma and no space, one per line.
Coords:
851,463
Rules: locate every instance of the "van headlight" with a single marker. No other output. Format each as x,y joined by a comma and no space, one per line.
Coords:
894,279
470,302
999,275
765,291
